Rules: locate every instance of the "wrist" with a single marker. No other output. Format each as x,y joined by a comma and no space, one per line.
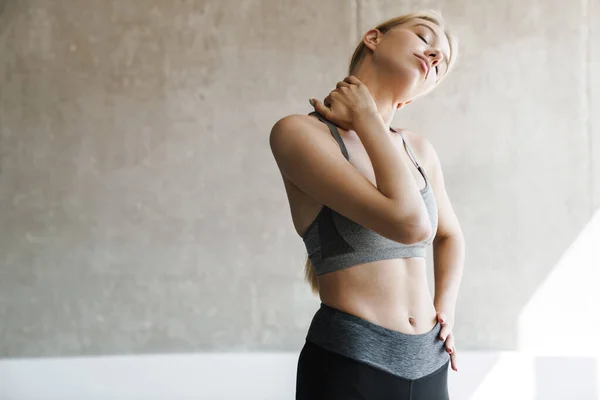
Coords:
367,121
444,306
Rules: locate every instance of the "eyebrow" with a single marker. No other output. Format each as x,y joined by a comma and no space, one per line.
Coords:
436,35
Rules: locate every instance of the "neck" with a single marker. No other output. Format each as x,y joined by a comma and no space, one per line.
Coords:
387,95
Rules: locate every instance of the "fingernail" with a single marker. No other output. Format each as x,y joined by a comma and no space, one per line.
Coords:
312,102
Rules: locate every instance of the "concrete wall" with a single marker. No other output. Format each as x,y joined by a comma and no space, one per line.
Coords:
140,207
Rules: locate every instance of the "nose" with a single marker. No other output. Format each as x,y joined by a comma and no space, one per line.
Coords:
435,55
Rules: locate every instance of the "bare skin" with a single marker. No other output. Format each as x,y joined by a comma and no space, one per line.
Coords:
404,64
391,293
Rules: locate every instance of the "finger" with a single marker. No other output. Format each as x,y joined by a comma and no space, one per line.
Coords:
441,317
333,95
444,332
353,80
453,363
450,343
342,84
321,108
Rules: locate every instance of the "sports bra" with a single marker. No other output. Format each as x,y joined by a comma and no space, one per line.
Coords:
334,242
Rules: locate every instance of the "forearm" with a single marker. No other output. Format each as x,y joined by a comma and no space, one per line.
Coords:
392,172
448,255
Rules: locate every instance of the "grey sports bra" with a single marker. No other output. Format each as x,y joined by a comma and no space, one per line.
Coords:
334,242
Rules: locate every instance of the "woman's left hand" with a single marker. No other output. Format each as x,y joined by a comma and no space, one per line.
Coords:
448,337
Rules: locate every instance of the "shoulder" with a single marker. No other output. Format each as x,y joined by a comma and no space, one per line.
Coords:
296,132
421,146
294,121
294,125
288,122
286,128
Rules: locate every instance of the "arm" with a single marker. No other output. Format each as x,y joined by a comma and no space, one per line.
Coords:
312,160
448,245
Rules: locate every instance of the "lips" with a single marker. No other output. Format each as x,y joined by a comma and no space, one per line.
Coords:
424,65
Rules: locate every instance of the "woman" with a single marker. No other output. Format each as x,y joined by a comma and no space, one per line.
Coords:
367,200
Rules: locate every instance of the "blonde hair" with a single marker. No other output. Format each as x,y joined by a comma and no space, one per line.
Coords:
311,276
427,15
360,52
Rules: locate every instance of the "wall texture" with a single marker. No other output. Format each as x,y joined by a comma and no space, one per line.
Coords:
140,207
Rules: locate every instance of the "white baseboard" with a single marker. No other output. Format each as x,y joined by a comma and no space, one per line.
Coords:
271,376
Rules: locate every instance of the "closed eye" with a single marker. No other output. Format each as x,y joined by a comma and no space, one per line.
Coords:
437,69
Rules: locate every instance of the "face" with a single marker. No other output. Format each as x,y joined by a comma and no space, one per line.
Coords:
418,51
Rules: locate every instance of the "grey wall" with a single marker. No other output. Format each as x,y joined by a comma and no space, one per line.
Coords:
140,207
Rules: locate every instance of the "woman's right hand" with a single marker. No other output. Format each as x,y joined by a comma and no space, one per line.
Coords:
347,103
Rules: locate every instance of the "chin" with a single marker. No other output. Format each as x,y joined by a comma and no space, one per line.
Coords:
408,78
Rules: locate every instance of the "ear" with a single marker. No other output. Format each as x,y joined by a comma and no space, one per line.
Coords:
372,38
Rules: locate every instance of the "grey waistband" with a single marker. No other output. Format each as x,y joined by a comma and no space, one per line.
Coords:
402,354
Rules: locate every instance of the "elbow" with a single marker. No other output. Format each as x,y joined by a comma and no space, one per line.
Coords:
414,231
418,235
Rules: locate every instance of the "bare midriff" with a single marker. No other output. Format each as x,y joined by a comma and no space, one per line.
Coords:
391,293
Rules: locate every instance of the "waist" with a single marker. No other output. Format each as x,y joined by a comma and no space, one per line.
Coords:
393,293
405,355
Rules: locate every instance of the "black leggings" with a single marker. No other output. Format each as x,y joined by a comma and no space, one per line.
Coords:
324,375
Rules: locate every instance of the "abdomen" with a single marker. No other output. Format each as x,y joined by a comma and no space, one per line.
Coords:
391,293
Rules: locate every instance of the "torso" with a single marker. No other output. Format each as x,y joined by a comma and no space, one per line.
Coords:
391,293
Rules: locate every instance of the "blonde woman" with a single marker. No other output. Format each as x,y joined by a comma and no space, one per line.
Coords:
367,200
